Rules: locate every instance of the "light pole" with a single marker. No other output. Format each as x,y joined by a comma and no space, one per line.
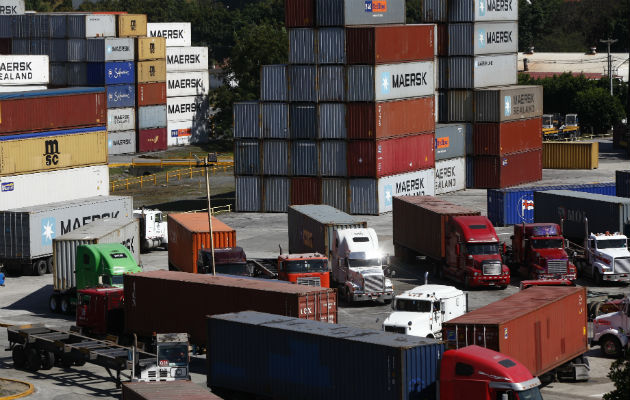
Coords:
609,42
210,159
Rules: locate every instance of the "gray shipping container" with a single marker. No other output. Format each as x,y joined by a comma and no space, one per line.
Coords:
21,26
471,39
6,26
604,213
246,120
352,12
331,83
441,106
482,10
442,72
508,103
275,120
303,121
121,142
332,158
304,158
248,193
331,121
28,232
40,47
275,157
302,46
152,117
622,183
450,141
58,50
91,25
110,49
76,74
57,26
247,157
273,83
77,50
363,195
277,192
39,25
58,74
434,11
311,227
335,193
20,47
331,46
118,230
465,72
302,81
459,105
358,78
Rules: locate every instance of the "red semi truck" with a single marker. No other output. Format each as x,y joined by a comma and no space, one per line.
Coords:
461,243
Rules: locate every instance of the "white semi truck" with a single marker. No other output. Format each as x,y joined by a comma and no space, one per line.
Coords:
612,331
153,229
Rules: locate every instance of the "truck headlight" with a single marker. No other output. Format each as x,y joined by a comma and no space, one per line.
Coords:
388,283
605,268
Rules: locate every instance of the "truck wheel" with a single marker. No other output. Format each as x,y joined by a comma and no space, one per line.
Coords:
610,346
53,303
597,277
39,267
66,307
48,360
79,363
19,356
49,265
33,359
66,361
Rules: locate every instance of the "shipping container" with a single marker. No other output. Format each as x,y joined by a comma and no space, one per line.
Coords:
121,142
302,46
273,82
450,175
6,27
472,39
132,25
111,73
498,139
516,205
306,191
434,11
187,132
110,49
247,157
43,47
390,44
472,11
58,75
188,83
21,25
303,121
304,158
186,59
496,172
569,208
331,46
151,94
125,231
14,89
275,120
332,155
150,48
152,117
186,108
385,157
277,194
13,7
391,81
57,108
20,47
58,25
299,13
188,233
90,26
337,363
246,120
275,157
248,193
541,327
5,43
165,314
151,71
450,141
377,120
29,230
76,50
508,103
177,34
23,69
165,391
348,12
152,140
335,193
570,155
622,179
466,72
77,74
470,172
119,96
331,121
121,119
302,82
331,83
38,23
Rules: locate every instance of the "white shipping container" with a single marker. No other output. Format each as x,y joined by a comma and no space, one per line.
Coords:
53,186
23,70
100,25
450,175
13,89
12,7
175,33
186,58
182,133
494,10
480,38
121,119
191,83
399,81
186,108
417,183
121,142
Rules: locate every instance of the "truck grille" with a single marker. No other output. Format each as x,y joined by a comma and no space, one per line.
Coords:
373,283
557,266
492,268
309,281
396,329
622,265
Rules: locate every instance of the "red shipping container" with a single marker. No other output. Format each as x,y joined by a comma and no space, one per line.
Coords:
498,139
5,46
374,159
52,109
376,120
306,191
299,13
390,44
151,94
152,140
496,172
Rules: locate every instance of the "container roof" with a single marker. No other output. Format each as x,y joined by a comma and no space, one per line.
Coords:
51,92
552,187
198,222
66,204
591,196
96,229
326,214
52,133
437,205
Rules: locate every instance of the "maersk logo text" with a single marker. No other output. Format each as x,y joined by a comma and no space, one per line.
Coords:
407,80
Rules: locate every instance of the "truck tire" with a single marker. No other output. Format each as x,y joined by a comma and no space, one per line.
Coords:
48,360
66,361
33,359
19,356
597,277
53,303
39,267
49,265
610,346
65,306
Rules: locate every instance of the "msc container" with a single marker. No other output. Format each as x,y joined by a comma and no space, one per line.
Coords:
29,231
496,172
150,48
23,70
110,49
378,120
331,46
273,83
311,227
450,175
76,50
604,213
246,120
374,196
335,193
302,82
132,25
498,139
77,74
434,11
348,12
331,83
188,233
151,94
541,327
187,132
306,191
111,73
570,155
304,158
90,25
275,157
302,121
12,7
277,193
275,120
472,39
152,117
331,121
186,59
472,11
165,391
189,83
177,34
433,215
248,193
302,46
151,71
119,96
391,81
121,142
340,362
152,140
508,103
380,158
299,13
450,141
390,44
332,155
622,179
466,72
516,205
247,155
186,108
55,108
121,119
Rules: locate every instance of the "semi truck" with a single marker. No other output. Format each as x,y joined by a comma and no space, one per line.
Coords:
339,362
611,331
355,259
153,229
459,243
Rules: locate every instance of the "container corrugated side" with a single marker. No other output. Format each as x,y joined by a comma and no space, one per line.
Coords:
76,50
331,46
471,39
302,83
306,191
359,80
471,11
90,25
119,96
123,142
332,158
111,73
508,137
302,46
151,94
331,83
77,74
466,72
58,26
335,193
304,158
470,172
151,71
450,141
21,26
58,75
187,108
132,25
275,157
247,156
570,155
277,193
459,105
153,139
150,48
622,179
246,120
152,117
273,83
110,49
299,13
434,11
495,172
507,103
121,119
248,193
331,121
38,22
303,120
390,44
6,27
450,175
173,389
275,120
20,46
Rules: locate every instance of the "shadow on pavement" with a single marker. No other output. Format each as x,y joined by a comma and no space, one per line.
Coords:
37,303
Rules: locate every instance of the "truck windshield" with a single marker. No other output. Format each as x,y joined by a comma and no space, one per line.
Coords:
113,280
611,243
413,305
529,394
303,266
547,244
169,355
482,248
373,262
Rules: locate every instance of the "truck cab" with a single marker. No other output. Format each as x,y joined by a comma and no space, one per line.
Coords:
421,310
229,261
612,331
304,269
473,253
153,229
606,258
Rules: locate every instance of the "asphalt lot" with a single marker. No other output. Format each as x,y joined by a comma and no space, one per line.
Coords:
25,299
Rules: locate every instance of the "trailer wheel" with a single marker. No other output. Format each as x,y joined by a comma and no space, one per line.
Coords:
39,268
66,361
33,359
48,359
19,356
66,307
49,265
53,303
610,346
80,362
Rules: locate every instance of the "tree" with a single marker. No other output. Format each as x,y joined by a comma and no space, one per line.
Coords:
597,109
620,375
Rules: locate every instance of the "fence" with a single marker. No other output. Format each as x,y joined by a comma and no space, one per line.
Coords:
168,176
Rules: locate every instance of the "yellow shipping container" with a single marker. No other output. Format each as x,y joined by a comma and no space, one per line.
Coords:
151,71
132,25
150,48
570,155
22,156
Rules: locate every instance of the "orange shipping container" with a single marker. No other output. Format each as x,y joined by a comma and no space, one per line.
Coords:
188,233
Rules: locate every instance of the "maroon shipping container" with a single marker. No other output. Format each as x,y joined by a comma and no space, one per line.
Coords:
374,159
170,301
430,213
151,94
152,140
166,391
390,44
299,13
498,139
383,119
306,191
442,40
58,109
542,327
5,46
496,172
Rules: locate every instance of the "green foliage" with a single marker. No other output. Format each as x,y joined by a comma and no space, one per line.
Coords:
597,109
620,375
414,11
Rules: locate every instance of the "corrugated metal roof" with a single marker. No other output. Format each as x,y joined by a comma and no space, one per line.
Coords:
590,65
198,222
590,196
326,214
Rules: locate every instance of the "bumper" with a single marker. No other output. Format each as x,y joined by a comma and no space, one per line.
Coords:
381,296
569,277
482,280
616,277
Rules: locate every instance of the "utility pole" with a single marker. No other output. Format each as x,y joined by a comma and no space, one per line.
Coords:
609,42
210,159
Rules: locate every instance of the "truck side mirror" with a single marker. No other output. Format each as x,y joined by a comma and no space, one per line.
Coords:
100,280
566,243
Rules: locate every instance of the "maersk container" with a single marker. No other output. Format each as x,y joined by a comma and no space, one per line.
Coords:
121,142
450,141
177,34
471,39
391,81
335,193
186,59
516,205
275,120
482,10
119,96
604,213
507,103
622,179
348,12
275,157
465,72
247,154
434,11
187,83
77,74
13,7
121,119
111,73
91,25
29,231
110,49
77,49
302,121
332,155
302,46
152,117
248,193
186,108
450,175
304,158
273,83
331,46
246,120
24,70
302,82
331,83
331,121
276,195
390,44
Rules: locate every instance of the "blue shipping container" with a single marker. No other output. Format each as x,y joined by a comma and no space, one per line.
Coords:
121,96
111,73
304,359
516,205
470,172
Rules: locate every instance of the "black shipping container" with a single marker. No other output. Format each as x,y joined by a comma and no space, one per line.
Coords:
622,179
